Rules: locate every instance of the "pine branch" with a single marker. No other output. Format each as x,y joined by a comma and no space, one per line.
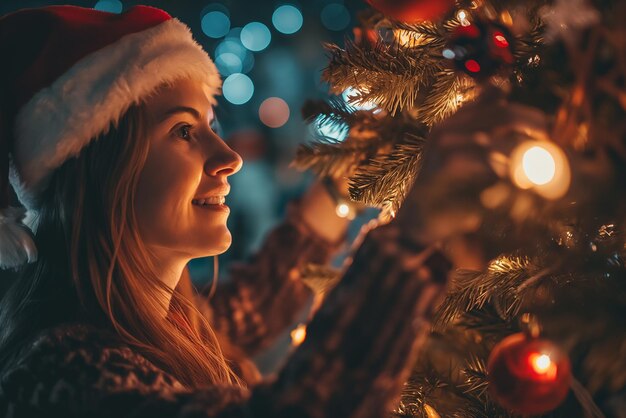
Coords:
387,179
335,113
472,290
449,91
388,74
475,374
330,157
488,323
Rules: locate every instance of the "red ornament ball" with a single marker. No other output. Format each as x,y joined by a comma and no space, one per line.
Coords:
412,11
480,48
528,375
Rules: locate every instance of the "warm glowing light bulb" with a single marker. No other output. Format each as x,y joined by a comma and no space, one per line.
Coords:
542,362
298,335
461,16
343,210
543,365
539,165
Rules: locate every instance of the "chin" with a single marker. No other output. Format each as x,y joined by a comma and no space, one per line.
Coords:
219,244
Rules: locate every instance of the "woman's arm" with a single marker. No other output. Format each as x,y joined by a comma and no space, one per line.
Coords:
263,296
359,350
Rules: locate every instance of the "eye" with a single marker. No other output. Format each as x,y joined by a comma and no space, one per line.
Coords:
184,132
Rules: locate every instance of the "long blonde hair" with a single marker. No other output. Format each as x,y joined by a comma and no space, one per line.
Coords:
87,230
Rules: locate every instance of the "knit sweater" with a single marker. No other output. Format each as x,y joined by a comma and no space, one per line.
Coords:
358,352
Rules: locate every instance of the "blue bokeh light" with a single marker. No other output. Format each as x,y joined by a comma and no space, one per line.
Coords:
215,24
287,19
228,63
233,45
238,88
351,96
333,131
255,36
335,16
112,6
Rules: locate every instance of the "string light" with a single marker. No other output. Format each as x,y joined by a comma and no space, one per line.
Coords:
462,17
541,166
543,365
342,210
298,335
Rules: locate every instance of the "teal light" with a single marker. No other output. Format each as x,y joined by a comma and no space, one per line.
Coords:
233,45
111,6
334,131
287,19
255,36
228,63
215,24
351,95
335,16
238,88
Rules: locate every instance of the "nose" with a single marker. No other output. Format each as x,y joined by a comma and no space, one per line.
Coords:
223,161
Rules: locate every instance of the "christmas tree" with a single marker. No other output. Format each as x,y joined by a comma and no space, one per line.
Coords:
510,117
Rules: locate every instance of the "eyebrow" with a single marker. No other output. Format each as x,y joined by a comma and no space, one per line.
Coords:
181,109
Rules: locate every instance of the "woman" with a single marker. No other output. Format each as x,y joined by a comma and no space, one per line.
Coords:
106,121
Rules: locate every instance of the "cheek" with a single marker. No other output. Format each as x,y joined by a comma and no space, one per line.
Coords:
164,191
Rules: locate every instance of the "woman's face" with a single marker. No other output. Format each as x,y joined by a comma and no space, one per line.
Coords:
180,199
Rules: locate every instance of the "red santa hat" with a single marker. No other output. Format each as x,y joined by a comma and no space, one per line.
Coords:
68,73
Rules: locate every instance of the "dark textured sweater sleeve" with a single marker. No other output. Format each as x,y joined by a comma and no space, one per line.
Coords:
263,296
359,350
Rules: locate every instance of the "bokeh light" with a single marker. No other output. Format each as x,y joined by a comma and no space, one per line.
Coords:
543,365
274,112
335,131
255,36
335,16
287,19
215,24
238,88
538,165
298,335
541,166
234,33
232,45
112,6
228,63
350,96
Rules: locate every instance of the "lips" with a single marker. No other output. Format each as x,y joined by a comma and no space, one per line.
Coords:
213,200
214,197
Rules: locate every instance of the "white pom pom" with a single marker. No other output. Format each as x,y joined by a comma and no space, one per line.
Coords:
17,245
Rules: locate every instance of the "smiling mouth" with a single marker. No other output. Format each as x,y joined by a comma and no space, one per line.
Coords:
213,200
213,204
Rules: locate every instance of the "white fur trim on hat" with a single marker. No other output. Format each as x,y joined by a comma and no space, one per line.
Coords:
81,104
